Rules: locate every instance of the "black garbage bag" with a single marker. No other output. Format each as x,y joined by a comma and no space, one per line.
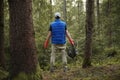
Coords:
72,51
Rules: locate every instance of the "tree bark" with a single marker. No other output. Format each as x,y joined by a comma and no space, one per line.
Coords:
64,10
79,13
109,25
51,13
2,57
98,21
98,13
22,41
89,32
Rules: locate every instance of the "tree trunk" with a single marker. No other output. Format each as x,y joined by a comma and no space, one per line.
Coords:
98,15
51,13
89,32
2,57
109,25
79,14
22,41
98,12
64,10
99,29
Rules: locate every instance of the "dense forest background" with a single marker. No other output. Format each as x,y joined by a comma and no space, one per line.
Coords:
105,45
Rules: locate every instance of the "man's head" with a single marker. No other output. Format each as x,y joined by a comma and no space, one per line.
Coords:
57,15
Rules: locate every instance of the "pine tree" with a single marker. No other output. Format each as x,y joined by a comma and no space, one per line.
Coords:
22,41
89,31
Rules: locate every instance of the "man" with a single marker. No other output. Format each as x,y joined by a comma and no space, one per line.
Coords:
58,33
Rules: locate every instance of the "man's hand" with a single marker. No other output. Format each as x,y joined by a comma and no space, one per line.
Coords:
46,44
47,40
69,38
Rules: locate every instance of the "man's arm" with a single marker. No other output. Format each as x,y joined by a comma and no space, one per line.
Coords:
69,37
49,35
47,39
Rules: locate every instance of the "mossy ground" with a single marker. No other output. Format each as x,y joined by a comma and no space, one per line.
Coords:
104,68
108,72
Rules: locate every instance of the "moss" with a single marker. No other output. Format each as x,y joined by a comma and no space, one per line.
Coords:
21,76
33,76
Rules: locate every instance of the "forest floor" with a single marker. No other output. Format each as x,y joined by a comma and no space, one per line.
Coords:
104,68
107,72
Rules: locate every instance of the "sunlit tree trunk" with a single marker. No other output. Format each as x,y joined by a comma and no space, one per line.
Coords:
2,57
22,41
89,31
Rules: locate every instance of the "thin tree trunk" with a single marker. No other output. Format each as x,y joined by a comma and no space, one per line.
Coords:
98,21
109,25
79,14
22,41
64,10
2,57
89,32
98,14
51,13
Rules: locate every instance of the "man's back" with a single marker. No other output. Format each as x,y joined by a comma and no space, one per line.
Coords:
58,32
58,29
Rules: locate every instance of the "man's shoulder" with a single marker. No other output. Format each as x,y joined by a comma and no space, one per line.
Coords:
52,22
63,22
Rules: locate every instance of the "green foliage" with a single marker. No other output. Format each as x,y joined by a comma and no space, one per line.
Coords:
3,74
108,50
76,26
42,19
111,19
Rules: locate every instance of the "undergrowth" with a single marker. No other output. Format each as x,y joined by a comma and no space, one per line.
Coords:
104,68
